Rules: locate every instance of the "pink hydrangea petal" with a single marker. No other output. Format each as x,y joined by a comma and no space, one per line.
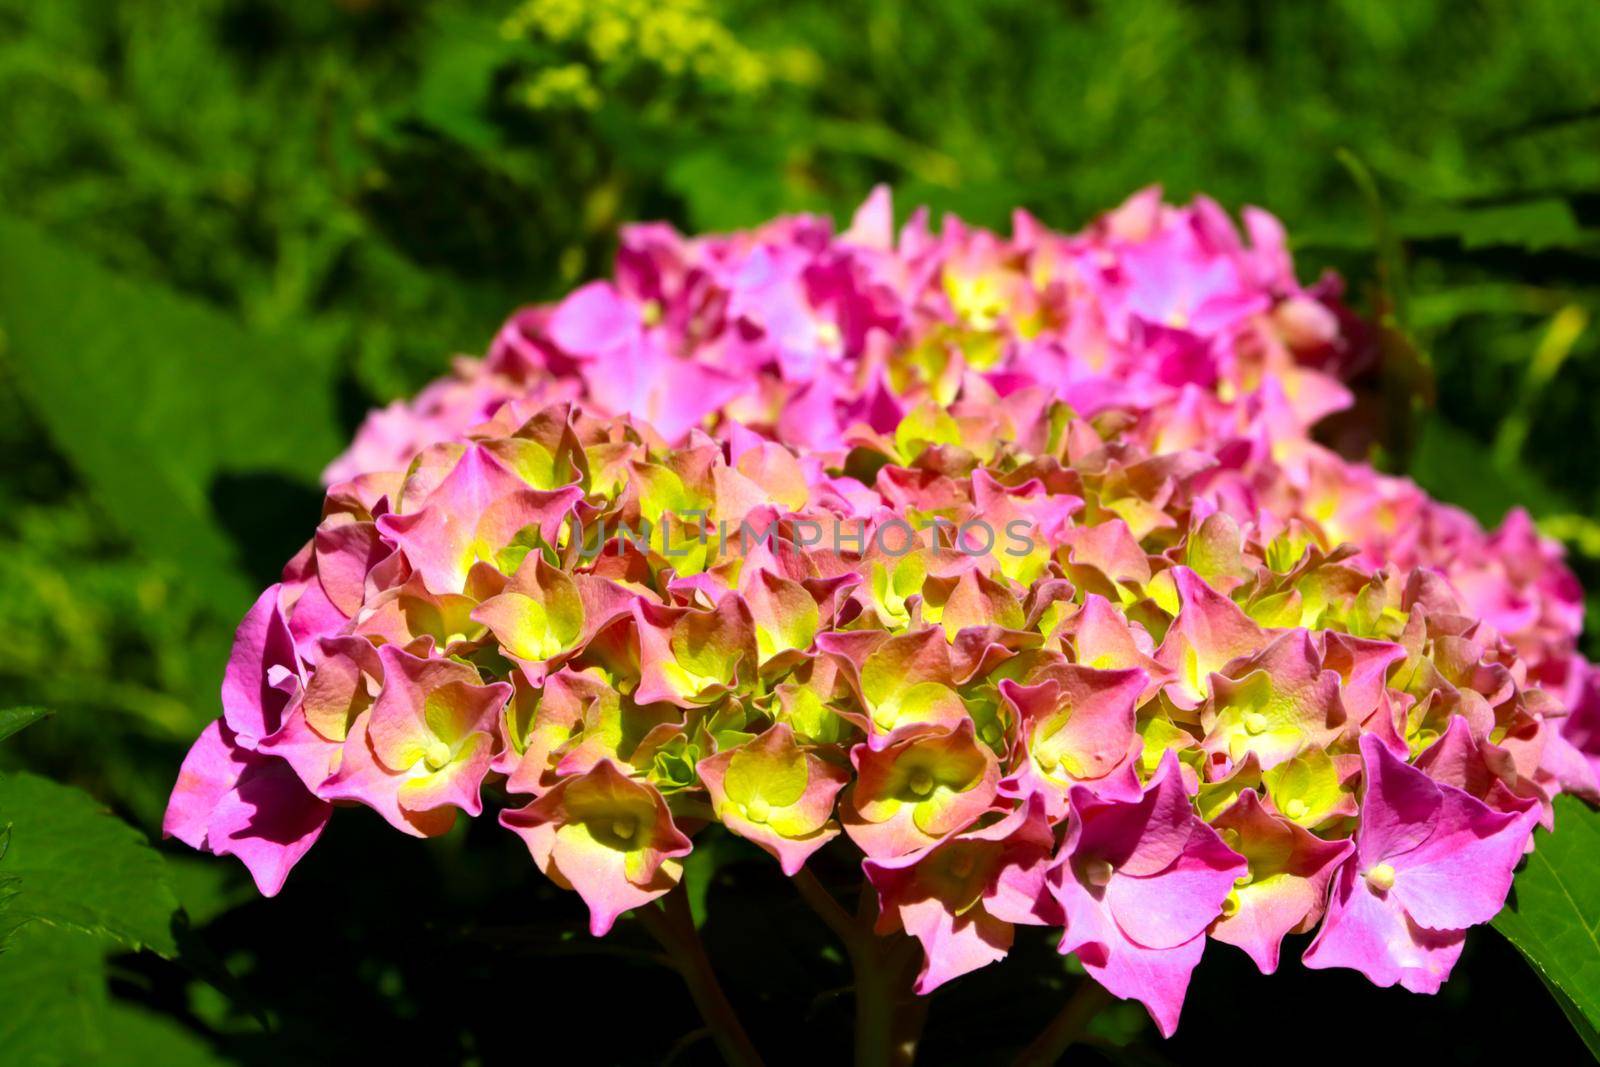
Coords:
252,703
233,802
1368,934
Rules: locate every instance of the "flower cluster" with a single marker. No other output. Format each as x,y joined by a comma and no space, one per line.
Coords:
1164,313
1011,561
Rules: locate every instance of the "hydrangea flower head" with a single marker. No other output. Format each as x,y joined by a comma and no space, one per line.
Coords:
1005,566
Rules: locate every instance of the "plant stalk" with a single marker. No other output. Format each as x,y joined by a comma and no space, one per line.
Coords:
875,996
886,1030
673,928
1069,1024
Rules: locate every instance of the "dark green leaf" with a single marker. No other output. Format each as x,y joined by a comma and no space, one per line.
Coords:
1455,466
1532,224
10,885
1538,225
206,888
14,719
73,864
1554,915
453,89
75,884
57,1011
725,189
161,403
712,851
1580,1025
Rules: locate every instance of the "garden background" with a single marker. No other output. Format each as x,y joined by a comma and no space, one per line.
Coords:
229,227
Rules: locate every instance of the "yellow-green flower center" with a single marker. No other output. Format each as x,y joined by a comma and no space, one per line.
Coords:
921,783
1098,872
437,756
757,810
1380,878
1296,809
1255,722
625,828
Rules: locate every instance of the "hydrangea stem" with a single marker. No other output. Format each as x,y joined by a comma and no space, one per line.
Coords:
827,908
1068,1026
886,1030
874,1008
673,928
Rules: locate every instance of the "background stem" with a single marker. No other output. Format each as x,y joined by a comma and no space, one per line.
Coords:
673,928
874,1009
888,1022
1068,1026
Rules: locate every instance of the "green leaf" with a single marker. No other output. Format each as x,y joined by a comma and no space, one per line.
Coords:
712,851
58,1011
14,719
70,863
50,981
1554,915
453,88
1585,1029
726,186
10,887
160,403
76,883
1454,466
1539,224
1536,225
204,888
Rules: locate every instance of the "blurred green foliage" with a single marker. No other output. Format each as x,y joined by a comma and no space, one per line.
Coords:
311,204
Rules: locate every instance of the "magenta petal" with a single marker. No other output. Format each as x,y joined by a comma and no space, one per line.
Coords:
362,778
1398,810
1139,882
953,945
312,756
252,701
593,319
269,820
209,771
1167,909
1260,927
233,802
1291,870
1157,978
1460,876
1460,871
1372,935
